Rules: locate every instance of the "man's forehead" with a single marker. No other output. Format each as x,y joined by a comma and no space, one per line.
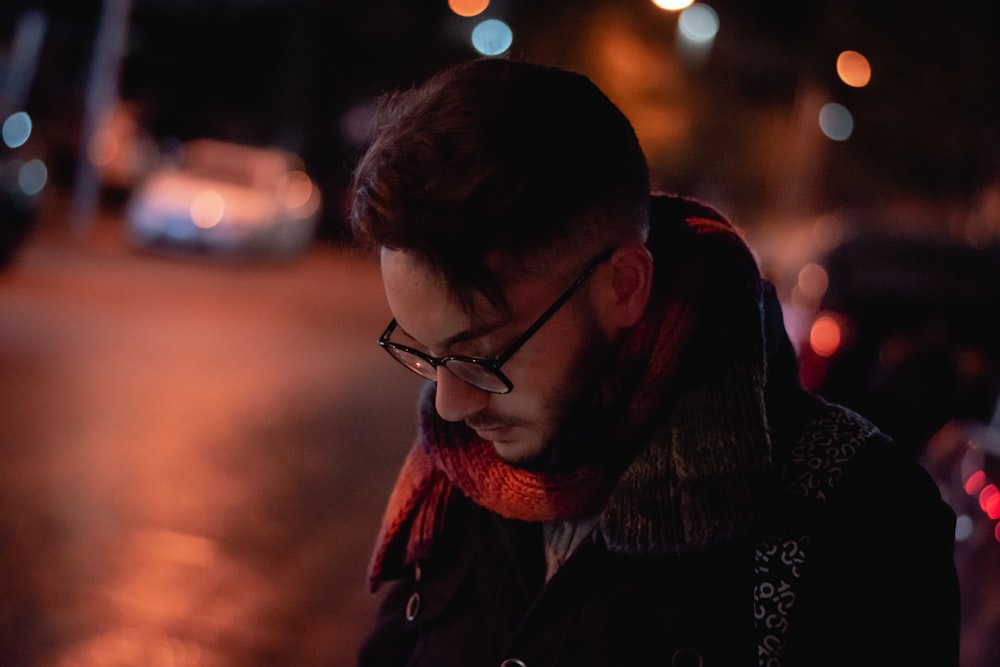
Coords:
408,271
407,264
407,275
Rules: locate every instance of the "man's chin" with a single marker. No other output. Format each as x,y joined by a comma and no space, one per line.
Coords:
519,454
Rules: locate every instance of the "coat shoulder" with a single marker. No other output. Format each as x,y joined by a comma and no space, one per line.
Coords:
872,567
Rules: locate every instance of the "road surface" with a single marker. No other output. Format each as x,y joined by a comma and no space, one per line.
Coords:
194,455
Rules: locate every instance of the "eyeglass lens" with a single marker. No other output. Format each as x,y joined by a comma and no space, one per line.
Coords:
478,375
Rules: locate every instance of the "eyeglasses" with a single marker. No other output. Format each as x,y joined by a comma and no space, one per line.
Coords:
481,372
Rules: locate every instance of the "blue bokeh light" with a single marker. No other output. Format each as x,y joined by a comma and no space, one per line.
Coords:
16,129
492,37
836,121
32,176
699,23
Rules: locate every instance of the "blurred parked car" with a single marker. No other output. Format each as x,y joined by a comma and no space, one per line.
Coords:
964,459
907,333
225,198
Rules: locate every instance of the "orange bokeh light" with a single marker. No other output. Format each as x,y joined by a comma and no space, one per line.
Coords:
825,336
813,281
468,7
854,69
673,5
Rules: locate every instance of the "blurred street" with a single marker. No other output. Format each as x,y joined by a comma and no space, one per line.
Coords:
194,455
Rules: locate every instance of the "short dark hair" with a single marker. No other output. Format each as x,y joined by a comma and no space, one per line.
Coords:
498,157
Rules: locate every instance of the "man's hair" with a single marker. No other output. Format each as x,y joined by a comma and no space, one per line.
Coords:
496,158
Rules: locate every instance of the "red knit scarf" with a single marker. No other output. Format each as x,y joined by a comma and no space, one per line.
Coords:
449,458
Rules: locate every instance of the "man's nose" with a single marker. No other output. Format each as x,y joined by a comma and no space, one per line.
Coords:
456,399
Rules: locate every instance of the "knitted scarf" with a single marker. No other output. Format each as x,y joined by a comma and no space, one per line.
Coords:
685,461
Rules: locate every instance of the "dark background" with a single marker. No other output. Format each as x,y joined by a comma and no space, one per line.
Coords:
286,73
195,454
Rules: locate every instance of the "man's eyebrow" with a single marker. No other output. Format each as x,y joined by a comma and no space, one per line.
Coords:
464,336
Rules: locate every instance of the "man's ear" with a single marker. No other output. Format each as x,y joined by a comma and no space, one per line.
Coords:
627,286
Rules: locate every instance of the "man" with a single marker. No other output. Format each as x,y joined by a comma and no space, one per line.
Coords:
615,463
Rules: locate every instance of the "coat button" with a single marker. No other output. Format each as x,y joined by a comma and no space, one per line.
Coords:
413,607
513,662
686,657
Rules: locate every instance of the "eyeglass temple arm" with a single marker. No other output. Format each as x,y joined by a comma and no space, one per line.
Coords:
570,291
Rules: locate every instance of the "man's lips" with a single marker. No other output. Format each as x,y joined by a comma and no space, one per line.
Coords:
490,431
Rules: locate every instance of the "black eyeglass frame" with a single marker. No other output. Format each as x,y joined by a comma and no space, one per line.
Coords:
492,365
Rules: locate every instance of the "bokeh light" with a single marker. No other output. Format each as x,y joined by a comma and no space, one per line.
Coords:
963,527
975,482
673,5
492,37
827,231
16,129
102,148
468,8
813,281
699,23
207,209
854,69
824,336
298,194
32,176
295,189
989,500
836,122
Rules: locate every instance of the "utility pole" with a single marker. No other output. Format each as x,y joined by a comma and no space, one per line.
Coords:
101,98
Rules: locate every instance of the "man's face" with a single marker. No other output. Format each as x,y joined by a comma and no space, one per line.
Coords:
550,373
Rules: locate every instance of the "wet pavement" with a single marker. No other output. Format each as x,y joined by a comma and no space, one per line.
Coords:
194,455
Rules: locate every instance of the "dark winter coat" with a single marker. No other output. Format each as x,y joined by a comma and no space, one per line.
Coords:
861,574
